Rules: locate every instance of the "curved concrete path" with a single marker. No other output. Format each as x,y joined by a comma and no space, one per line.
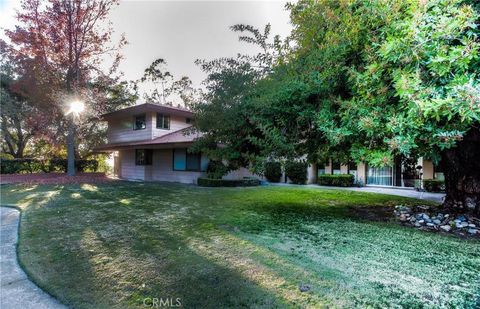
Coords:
16,290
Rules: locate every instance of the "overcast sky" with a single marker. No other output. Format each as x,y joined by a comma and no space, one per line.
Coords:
181,31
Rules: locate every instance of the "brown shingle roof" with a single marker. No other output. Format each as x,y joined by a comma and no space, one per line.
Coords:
149,107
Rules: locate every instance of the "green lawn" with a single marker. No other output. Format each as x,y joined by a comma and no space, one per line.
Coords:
113,245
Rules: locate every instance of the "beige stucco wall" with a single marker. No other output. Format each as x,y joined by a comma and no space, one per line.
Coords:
427,169
312,173
361,173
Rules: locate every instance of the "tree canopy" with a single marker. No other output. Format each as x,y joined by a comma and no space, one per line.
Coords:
356,80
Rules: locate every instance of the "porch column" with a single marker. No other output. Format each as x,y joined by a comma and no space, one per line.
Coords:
312,173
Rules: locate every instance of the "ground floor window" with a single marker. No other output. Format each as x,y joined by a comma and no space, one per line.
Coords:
186,161
143,156
382,176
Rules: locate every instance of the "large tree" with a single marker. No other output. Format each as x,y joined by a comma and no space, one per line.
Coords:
365,81
66,42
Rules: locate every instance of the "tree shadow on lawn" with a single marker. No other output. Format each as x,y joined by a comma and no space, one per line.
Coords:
88,257
108,246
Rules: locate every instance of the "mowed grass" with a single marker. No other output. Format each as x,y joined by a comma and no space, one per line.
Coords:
114,245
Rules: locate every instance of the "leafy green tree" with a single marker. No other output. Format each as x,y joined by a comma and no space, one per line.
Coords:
364,80
419,94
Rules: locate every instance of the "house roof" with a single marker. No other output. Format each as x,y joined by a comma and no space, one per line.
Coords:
181,137
148,107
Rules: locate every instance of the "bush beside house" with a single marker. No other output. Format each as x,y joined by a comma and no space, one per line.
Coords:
434,185
341,180
296,171
273,171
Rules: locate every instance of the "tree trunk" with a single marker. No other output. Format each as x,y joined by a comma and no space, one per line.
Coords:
71,147
461,166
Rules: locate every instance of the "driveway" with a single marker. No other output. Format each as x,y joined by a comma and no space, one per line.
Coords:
16,290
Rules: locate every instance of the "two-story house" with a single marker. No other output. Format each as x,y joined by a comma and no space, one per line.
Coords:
150,141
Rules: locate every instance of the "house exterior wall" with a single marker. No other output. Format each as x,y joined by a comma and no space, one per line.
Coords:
160,170
121,130
128,169
239,174
176,123
312,173
361,173
428,169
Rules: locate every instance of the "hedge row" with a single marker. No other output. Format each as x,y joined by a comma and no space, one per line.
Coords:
434,185
210,182
340,180
22,166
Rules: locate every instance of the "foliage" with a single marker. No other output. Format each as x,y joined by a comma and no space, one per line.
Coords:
434,185
216,169
27,165
296,171
164,86
60,51
216,182
18,122
341,180
358,80
273,171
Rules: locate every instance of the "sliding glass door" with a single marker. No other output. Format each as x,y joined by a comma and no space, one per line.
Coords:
380,176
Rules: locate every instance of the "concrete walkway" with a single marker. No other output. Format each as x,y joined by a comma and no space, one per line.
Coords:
16,290
406,192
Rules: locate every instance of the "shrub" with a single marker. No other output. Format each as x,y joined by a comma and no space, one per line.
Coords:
296,171
216,169
340,180
211,182
273,171
434,185
19,166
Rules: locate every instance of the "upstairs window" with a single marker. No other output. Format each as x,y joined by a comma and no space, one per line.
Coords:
143,156
163,121
140,122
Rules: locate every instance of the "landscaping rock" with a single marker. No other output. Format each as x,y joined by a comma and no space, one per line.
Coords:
419,217
472,231
446,228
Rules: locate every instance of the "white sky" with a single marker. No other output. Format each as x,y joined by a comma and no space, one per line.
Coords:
180,31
